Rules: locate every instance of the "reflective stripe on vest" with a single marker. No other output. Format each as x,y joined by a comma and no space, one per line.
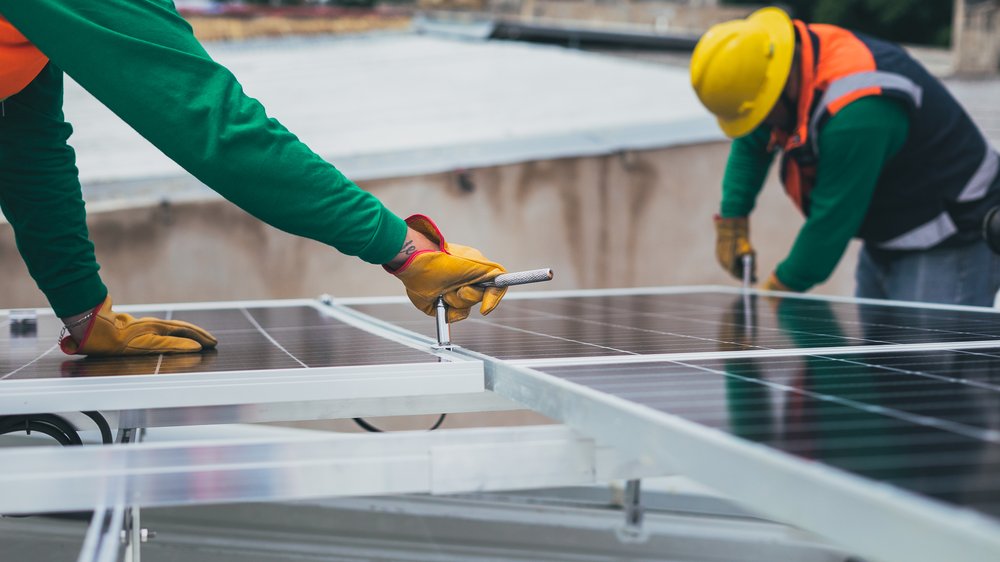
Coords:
847,89
927,235
979,183
941,227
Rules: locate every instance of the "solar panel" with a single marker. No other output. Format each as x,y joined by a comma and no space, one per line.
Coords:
924,421
691,322
276,361
865,407
250,339
855,408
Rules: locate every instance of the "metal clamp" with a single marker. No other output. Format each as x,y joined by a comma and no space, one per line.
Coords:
632,531
23,322
502,280
441,321
748,299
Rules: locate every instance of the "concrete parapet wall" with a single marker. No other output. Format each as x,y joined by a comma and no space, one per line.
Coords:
633,219
677,16
680,15
977,36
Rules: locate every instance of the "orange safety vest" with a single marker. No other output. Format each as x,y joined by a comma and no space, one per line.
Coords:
944,177
846,55
20,61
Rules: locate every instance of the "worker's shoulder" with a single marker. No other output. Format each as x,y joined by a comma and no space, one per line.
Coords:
869,112
877,125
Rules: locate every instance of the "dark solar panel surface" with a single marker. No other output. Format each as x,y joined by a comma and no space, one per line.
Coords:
926,421
249,339
690,322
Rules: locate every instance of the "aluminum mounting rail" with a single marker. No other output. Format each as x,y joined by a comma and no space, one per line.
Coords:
45,479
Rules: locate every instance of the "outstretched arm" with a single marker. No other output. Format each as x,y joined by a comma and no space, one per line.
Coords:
141,60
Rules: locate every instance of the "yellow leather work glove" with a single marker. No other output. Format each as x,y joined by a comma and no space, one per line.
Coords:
775,284
452,272
111,333
732,242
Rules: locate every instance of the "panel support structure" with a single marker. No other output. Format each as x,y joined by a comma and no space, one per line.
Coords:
44,479
139,392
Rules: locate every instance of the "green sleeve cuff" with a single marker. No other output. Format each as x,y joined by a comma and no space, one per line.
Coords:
387,240
787,275
78,296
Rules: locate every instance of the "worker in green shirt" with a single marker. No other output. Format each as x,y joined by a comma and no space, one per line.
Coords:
872,146
141,60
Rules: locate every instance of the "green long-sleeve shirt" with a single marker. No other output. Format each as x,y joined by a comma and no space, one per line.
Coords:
141,60
854,145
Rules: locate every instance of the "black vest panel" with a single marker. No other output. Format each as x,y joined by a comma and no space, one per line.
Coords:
942,153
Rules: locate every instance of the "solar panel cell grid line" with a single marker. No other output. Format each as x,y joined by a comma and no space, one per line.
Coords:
850,401
159,360
694,332
19,367
845,377
927,422
694,322
693,390
284,338
264,333
712,411
906,364
561,339
493,336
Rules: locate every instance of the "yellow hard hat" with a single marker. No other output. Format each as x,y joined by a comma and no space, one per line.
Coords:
739,68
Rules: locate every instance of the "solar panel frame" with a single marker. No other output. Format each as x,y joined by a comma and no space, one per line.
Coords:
293,392
344,407
246,344
306,465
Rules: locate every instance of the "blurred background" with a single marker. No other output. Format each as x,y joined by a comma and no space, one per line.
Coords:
549,133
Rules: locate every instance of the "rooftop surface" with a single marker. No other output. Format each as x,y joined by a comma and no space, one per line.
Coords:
394,105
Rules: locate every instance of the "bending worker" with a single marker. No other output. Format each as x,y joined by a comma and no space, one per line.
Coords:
141,60
872,146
